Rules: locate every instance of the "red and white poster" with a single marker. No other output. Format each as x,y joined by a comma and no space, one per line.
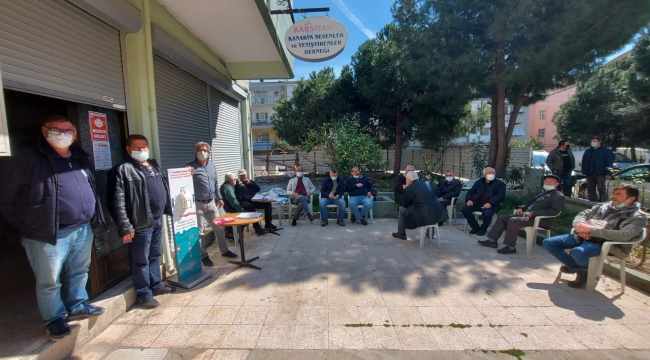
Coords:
98,126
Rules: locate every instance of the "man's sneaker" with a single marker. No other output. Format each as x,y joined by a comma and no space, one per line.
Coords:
293,222
149,302
474,231
488,243
507,250
86,312
229,254
364,222
580,280
164,290
399,236
566,270
311,217
340,223
207,262
324,222
57,329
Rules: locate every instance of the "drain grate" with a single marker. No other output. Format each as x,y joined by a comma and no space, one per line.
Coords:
138,354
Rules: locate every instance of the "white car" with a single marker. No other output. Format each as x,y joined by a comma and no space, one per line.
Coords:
620,161
632,175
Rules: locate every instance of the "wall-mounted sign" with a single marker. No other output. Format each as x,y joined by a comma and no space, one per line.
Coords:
317,38
98,126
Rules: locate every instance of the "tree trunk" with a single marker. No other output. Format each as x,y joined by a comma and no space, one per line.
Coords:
633,152
502,145
515,112
399,140
493,128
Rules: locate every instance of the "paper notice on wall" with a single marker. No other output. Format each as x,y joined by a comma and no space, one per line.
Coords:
102,152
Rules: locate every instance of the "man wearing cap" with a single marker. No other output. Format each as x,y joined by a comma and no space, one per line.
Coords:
245,189
597,162
548,202
230,202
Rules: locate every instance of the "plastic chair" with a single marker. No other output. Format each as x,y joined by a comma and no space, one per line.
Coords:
424,229
372,220
531,231
311,206
451,211
478,214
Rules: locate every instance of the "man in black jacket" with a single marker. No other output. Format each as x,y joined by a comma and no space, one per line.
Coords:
245,189
400,184
331,193
420,206
138,197
548,202
51,199
448,188
485,196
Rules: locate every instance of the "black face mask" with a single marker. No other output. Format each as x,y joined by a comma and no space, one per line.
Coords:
567,147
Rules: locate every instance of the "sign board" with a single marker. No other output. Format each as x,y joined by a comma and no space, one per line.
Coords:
187,242
317,38
98,126
102,155
4,131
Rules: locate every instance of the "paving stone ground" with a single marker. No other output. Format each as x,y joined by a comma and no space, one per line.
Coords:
357,288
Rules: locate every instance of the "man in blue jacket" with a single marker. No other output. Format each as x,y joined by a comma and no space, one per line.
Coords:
331,192
360,190
597,162
485,196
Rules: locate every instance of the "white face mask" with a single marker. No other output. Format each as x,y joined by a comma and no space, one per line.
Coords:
299,174
140,156
549,187
202,155
490,177
333,178
449,178
355,176
60,141
594,144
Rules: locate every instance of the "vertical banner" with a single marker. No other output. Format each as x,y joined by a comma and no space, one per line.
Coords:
186,232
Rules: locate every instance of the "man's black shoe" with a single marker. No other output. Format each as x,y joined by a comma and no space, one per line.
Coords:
293,222
229,254
474,231
566,270
207,262
229,236
364,222
57,329
149,302
441,223
580,280
260,231
88,311
340,223
311,217
488,243
353,219
324,222
481,232
271,226
164,290
507,250
399,236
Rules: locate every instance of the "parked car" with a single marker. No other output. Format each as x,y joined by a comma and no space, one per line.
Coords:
628,176
620,162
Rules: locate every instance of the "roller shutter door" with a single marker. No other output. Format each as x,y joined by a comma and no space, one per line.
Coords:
227,142
52,48
183,120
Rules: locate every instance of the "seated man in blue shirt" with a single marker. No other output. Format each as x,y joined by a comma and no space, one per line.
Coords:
360,190
331,192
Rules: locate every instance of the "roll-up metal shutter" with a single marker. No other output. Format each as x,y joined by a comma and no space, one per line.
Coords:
183,120
53,48
227,144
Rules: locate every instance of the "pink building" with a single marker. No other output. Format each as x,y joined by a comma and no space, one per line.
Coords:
541,116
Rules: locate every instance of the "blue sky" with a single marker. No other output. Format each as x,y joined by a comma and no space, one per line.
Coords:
362,19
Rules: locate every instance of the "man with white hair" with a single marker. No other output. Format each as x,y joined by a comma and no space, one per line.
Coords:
230,202
400,184
420,206
485,196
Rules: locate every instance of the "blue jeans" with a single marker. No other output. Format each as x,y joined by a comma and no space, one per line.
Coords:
565,181
360,200
327,201
580,252
146,249
61,271
486,213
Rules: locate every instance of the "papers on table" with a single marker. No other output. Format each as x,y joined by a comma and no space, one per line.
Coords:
249,215
259,197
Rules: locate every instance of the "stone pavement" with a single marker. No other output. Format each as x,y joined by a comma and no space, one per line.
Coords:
357,288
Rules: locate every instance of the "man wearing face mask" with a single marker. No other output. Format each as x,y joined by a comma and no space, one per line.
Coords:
245,190
485,196
51,199
597,162
548,202
138,197
209,204
448,188
331,192
360,189
624,222
561,162
300,189
231,201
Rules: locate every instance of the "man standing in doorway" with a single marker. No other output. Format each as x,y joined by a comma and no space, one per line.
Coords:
209,204
561,162
597,163
51,199
137,196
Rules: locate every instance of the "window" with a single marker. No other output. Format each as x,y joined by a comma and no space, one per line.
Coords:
640,172
261,116
542,115
263,137
541,133
485,131
622,158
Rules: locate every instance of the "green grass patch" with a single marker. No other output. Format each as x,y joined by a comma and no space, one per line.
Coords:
523,334
435,326
358,325
495,326
406,325
484,351
460,326
514,352
387,325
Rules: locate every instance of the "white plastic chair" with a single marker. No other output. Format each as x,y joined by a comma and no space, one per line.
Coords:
479,214
451,211
279,206
531,231
291,206
424,229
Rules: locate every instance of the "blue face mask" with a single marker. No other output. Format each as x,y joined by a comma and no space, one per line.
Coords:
621,205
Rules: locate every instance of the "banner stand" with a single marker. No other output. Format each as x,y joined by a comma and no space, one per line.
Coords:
191,281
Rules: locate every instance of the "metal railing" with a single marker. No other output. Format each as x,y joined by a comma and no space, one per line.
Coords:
261,122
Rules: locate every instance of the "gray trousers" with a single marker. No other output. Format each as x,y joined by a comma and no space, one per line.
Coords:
511,224
597,182
401,221
207,212
303,204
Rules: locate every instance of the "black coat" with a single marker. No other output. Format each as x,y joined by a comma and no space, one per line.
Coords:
545,203
245,192
327,186
398,191
422,207
128,197
496,191
448,190
30,194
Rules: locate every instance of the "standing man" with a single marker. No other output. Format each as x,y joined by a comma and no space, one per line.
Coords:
300,189
51,199
448,188
209,204
597,162
245,190
360,190
485,196
400,184
331,192
561,162
420,207
138,197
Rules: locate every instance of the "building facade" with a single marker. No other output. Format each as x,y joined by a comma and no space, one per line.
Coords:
265,96
520,131
542,112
